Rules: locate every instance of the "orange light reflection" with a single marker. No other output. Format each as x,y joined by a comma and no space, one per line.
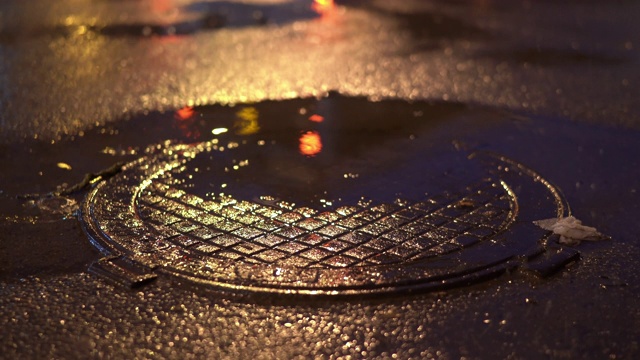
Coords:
310,143
323,6
161,6
316,118
185,113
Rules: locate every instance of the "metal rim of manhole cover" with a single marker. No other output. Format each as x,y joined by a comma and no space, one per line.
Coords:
149,223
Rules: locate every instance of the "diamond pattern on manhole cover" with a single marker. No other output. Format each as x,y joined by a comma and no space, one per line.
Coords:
152,219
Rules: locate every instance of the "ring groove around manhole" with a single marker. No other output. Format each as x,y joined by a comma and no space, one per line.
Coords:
154,217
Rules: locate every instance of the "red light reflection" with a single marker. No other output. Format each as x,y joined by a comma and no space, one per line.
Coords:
310,143
186,122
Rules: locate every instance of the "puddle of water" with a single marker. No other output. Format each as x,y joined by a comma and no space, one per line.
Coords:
352,132
323,152
320,153
170,21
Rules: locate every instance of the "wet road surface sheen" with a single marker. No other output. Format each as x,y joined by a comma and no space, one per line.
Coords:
163,55
272,132
86,88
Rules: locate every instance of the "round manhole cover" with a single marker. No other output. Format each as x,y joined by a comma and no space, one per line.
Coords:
321,209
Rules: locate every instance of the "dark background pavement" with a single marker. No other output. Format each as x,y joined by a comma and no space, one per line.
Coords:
88,84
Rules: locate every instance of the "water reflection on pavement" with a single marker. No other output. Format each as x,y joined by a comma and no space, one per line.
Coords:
94,84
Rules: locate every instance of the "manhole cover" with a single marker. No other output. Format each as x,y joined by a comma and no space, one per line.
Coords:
314,217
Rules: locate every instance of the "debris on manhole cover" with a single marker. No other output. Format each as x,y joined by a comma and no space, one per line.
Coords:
304,206
570,230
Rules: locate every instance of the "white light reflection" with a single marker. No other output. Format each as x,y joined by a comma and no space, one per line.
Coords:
218,131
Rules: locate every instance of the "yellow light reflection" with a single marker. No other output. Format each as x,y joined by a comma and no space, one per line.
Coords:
247,121
310,143
64,166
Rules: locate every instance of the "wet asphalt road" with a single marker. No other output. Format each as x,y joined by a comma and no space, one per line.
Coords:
84,86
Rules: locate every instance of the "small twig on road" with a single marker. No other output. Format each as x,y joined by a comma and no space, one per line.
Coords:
88,180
